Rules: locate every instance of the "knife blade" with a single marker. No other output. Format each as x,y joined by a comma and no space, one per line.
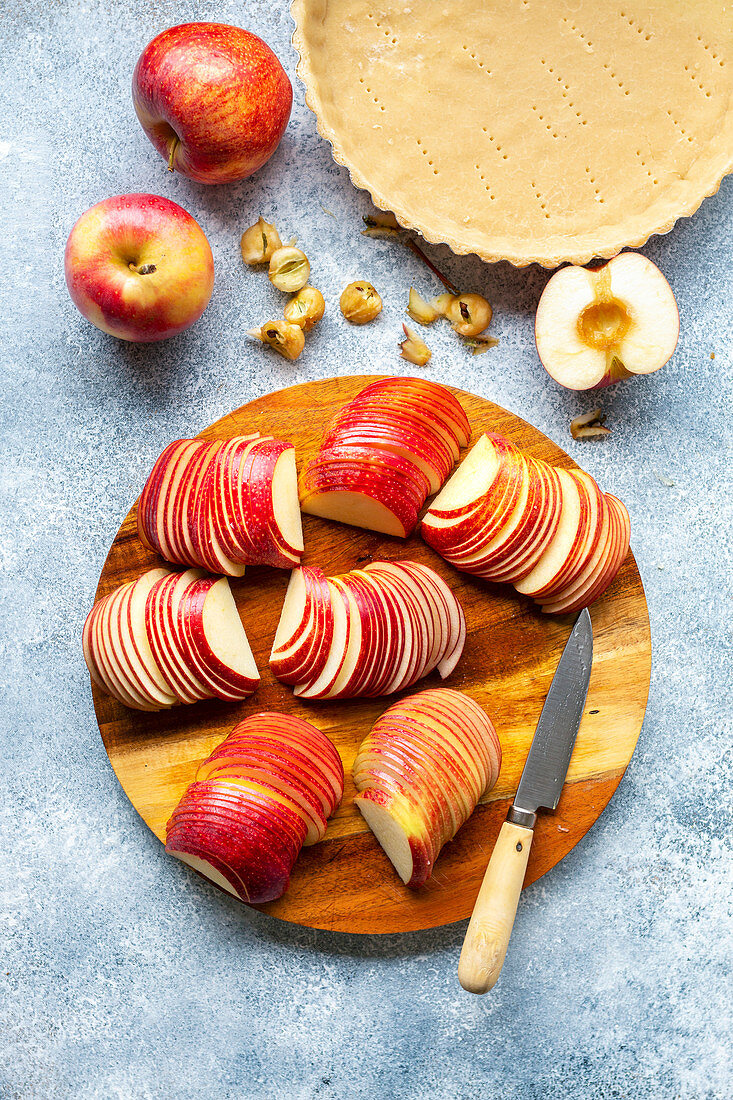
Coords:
541,783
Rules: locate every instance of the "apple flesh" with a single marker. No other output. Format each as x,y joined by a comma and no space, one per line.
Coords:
373,631
139,267
266,790
597,326
169,638
508,517
383,454
223,505
213,99
420,773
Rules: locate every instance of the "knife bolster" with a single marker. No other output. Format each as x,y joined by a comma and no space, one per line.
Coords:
525,818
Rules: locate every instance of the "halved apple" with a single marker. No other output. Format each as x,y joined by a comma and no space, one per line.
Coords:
597,326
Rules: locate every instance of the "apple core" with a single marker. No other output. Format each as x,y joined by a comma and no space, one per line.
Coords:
603,324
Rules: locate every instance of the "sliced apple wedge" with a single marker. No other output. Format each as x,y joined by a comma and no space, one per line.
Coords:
169,638
420,773
214,630
383,453
223,505
381,629
265,791
597,326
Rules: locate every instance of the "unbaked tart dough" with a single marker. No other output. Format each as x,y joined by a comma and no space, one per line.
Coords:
526,130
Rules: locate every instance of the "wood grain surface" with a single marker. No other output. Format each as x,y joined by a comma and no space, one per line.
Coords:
346,883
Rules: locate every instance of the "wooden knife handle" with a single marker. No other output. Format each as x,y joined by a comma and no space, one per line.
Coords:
490,927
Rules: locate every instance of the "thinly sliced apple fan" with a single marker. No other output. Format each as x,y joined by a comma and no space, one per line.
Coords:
373,631
384,453
169,638
223,505
508,517
420,773
262,794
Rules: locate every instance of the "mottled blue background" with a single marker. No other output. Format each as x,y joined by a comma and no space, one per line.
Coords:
124,976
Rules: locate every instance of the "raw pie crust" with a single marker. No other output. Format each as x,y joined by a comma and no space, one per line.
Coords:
526,130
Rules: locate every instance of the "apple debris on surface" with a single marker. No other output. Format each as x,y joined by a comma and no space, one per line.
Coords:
589,425
511,518
223,505
384,453
597,326
213,99
360,302
169,638
373,631
420,773
262,794
139,267
413,349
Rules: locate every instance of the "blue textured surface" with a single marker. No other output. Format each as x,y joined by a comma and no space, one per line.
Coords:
124,976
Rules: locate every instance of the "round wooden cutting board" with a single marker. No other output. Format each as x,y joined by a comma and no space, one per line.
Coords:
346,883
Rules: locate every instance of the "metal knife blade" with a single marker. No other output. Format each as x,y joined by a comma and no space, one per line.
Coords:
552,745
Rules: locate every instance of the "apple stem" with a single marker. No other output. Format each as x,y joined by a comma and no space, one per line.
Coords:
419,252
144,269
174,145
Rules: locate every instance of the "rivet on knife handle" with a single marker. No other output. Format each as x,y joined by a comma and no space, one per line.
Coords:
492,920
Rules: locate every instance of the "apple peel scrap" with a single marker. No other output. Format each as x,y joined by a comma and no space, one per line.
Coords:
373,631
263,793
420,773
169,638
223,505
508,517
383,453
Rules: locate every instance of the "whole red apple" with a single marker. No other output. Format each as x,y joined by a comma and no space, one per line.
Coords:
213,99
139,267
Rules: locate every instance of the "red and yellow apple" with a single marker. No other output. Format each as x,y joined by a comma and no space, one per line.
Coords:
597,326
420,773
139,267
266,790
213,99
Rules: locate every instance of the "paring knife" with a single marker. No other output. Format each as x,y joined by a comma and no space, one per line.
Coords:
490,927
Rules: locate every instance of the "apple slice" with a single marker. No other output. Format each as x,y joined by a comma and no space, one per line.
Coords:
614,557
134,641
215,632
597,326
109,638
337,650
526,556
285,504
471,481
597,565
357,494
165,638
305,660
148,501
101,659
429,397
